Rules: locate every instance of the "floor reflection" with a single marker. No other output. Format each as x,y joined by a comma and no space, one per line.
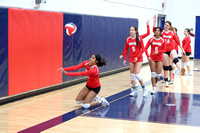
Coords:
164,107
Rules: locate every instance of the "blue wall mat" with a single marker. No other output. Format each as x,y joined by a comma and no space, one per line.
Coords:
106,36
72,45
197,39
3,52
95,35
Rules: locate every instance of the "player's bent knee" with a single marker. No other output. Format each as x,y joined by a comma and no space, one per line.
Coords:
166,68
153,74
158,76
132,76
86,105
170,68
175,60
138,76
187,63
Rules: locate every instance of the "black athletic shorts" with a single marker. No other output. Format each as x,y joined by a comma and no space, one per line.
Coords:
168,53
157,61
96,90
187,53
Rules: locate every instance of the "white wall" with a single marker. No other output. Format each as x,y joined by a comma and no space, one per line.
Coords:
182,14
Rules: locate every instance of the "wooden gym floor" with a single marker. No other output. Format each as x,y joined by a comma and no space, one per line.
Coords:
175,109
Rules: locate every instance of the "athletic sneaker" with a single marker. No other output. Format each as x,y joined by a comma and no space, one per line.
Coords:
153,91
189,74
133,93
104,103
145,92
96,98
163,80
170,82
182,71
166,84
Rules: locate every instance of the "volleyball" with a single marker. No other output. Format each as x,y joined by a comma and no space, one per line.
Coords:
70,28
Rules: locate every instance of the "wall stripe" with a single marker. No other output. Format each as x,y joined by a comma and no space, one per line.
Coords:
3,52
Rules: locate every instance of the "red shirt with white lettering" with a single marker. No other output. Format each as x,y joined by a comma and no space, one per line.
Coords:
144,35
91,72
135,51
169,38
156,45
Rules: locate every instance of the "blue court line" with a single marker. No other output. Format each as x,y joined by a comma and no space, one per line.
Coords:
70,115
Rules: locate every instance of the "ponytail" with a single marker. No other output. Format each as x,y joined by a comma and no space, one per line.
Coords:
137,34
137,38
191,34
101,61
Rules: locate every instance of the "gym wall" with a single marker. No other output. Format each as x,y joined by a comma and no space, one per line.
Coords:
34,45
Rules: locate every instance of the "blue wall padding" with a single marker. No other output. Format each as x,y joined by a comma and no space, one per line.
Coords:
96,35
197,39
3,52
72,45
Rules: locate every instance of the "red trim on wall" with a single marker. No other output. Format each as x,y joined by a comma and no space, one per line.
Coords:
35,49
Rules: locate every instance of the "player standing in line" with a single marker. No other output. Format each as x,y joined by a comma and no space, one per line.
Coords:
186,44
158,47
176,48
142,36
135,43
169,37
93,86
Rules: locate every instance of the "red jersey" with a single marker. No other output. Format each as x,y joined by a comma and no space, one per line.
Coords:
186,44
169,38
175,44
156,45
135,51
144,35
91,72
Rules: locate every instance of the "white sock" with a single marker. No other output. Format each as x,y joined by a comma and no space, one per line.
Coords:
100,101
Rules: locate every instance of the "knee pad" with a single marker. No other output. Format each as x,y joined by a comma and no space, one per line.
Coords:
173,65
183,64
158,76
138,76
132,77
175,60
79,102
153,74
86,105
170,68
187,63
166,68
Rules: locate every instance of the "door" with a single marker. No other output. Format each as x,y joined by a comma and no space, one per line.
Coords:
161,21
